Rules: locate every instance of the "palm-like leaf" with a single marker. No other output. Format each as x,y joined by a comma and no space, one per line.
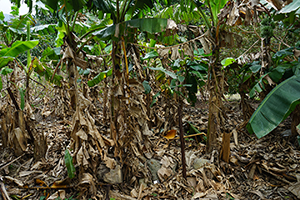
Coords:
276,107
105,6
8,54
150,25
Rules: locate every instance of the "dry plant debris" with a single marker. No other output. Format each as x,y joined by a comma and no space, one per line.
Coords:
258,169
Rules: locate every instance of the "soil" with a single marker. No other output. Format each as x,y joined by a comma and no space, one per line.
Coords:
266,168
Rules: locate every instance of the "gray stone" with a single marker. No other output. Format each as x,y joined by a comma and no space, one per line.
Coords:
154,166
114,176
101,171
286,133
199,162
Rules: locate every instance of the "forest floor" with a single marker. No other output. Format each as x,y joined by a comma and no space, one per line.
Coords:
266,168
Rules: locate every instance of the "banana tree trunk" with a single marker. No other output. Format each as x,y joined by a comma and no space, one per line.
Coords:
71,68
215,87
265,65
116,87
295,122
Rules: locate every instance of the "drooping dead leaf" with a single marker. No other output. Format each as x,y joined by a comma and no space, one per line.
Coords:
163,52
95,61
233,15
18,141
68,53
226,39
80,63
248,16
277,4
81,157
296,52
188,50
82,135
117,30
206,42
171,27
29,112
270,81
175,54
171,24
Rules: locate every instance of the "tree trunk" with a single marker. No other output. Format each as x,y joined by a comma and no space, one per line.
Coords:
295,122
72,73
247,109
182,144
265,65
215,87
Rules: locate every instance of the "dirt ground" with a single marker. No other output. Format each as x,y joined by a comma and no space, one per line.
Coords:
266,168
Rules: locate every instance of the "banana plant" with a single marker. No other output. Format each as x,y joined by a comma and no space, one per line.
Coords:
17,40
9,54
182,12
275,107
117,25
283,99
215,74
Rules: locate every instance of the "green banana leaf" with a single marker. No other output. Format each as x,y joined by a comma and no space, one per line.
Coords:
215,7
45,28
105,6
47,72
97,79
151,54
147,87
8,54
69,164
132,8
295,5
276,107
4,71
22,97
161,69
75,4
150,25
259,86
